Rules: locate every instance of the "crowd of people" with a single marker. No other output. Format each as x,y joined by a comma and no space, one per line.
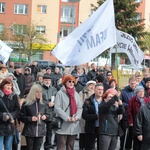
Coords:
90,104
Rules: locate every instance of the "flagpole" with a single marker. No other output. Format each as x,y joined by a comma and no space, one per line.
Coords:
117,66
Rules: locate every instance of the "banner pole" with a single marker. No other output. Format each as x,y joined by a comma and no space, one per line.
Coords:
117,66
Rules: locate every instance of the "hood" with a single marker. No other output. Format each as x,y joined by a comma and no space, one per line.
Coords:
11,74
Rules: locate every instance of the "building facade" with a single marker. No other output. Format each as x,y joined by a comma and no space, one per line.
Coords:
55,19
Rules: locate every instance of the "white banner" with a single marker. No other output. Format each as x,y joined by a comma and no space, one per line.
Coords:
5,52
127,44
90,39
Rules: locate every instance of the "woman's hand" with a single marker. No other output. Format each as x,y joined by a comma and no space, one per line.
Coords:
140,137
51,104
43,117
34,118
119,102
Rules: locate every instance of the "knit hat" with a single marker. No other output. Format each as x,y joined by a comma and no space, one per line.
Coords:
67,78
48,68
111,90
146,80
136,90
46,76
100,78
17,66
90,82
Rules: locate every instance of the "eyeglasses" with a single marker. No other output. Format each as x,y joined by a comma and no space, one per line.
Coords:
109,75
71,81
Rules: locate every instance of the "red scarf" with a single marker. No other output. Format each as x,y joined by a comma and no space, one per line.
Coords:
73,105
6,92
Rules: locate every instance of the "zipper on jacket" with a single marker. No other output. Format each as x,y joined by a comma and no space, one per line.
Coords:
106,125
37,121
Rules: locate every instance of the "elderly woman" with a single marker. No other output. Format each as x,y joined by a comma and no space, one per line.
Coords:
9,111
108,120
68,107
34,114
85,93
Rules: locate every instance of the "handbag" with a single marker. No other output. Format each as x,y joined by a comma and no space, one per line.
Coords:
57,122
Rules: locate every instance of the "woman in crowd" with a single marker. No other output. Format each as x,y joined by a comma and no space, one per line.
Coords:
85,93
113,84
14,81
34,114
108,120
9,111
68,107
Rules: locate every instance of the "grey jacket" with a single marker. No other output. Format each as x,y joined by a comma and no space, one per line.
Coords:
47,93
61,103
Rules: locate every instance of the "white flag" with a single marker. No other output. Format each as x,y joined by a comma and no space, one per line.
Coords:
5,52
90,39
127,44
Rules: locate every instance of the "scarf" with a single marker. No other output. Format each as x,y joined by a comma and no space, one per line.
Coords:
6,92
73,105
141,100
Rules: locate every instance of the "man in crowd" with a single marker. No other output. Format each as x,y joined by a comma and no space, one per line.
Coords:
126,94
92,73
48,93
20,80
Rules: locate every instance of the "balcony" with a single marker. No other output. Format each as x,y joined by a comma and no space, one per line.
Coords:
69,20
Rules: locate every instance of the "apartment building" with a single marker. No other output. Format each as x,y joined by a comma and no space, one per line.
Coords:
53,18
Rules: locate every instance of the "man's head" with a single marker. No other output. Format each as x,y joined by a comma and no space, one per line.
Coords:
132,82
99,90
18,69
93,66
47,80
56,70
76,78
48,70
100,78
147,83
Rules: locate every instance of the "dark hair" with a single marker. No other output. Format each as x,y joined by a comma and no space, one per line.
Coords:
6,81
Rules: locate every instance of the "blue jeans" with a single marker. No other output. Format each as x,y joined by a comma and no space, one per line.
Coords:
6,141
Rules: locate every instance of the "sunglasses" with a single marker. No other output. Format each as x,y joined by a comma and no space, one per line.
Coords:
71,81
109,75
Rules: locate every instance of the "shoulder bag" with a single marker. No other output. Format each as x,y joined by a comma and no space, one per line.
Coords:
57,122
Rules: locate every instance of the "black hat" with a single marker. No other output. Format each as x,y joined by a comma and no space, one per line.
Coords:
48,68
100,78
17,66
75,75
46,76
100,70
147,79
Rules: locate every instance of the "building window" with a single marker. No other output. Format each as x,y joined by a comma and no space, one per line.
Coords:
41,9
2,7
65,31
21,9
68,14
19,29
1,28
41,29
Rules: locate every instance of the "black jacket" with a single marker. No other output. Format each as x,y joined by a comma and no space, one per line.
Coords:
91,75
142,123
89,114
11,103
31,128
21,83
108,117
